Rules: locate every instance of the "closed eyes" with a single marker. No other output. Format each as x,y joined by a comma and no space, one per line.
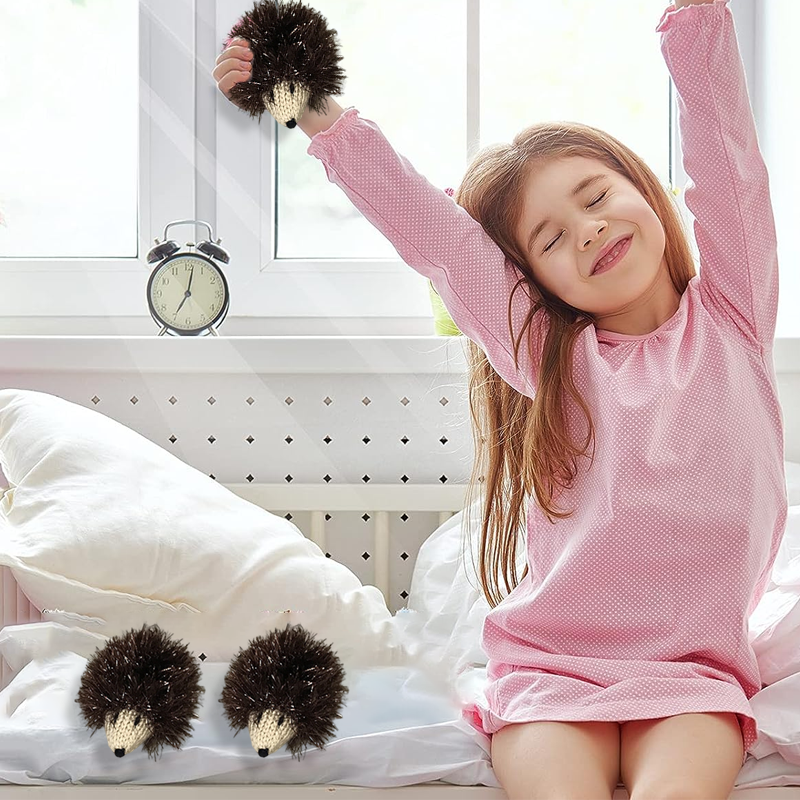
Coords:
594,202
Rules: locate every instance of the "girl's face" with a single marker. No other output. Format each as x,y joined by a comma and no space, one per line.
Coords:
633,297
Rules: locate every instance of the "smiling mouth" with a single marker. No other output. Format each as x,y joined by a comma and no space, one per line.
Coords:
620,249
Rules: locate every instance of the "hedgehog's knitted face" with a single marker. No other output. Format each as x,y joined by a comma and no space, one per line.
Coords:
287,101
269,731
126,730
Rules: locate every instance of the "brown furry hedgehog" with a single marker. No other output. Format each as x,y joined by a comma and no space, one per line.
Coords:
286,687
295,58
143,688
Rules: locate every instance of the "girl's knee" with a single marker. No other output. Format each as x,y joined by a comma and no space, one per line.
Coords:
538,760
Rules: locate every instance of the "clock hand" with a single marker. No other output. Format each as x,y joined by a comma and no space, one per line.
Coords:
188,291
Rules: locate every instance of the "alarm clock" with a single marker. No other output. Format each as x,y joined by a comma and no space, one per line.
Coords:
187,292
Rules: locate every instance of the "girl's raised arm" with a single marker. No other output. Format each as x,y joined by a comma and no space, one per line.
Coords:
437,238
728,194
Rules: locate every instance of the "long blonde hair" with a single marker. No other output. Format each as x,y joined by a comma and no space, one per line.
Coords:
521,443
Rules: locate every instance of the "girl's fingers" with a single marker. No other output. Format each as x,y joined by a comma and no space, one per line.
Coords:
229,79
234,65
235,52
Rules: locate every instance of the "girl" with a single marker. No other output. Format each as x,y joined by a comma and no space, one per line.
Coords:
622,653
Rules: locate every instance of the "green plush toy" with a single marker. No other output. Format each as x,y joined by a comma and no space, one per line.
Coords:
442,321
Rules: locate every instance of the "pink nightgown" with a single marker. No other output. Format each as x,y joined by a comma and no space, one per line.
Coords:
637,606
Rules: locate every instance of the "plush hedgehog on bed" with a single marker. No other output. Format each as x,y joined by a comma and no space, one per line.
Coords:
295,57
286,688
144,689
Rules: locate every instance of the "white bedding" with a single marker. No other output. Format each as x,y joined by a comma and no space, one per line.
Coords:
396,730
398,726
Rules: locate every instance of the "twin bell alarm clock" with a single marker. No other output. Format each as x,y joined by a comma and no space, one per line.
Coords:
187,292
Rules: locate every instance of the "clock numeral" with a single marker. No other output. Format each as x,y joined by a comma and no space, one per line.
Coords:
174,270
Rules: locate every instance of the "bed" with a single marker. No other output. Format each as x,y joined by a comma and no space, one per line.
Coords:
400,736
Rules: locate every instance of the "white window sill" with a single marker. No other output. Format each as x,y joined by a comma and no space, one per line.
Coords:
261,354
233,354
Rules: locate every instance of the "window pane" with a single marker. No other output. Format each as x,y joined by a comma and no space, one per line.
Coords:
576,60
399,56
69,90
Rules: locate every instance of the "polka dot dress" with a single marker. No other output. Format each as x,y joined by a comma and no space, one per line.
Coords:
637,606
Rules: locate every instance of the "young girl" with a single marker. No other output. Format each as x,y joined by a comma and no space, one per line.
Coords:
623,652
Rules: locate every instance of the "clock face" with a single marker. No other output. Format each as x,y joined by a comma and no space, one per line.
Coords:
187,293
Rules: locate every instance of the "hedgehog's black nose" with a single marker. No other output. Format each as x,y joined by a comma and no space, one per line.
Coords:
119,752
264,751
291,123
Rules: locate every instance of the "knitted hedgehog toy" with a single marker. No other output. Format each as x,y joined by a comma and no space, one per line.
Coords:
286,687
143,688
295,58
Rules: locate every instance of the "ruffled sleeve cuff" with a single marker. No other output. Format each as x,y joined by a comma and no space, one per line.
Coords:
346,120
671,14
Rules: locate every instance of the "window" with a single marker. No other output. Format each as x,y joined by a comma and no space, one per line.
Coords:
70,73
93,182
103,144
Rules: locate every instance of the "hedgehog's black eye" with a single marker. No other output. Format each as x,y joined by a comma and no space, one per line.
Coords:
291,88
138,720
260,717
116,717
280,721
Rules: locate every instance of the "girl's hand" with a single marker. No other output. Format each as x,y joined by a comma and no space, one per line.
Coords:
234,65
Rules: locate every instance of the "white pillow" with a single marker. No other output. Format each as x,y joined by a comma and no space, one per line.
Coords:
105,531
446,606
